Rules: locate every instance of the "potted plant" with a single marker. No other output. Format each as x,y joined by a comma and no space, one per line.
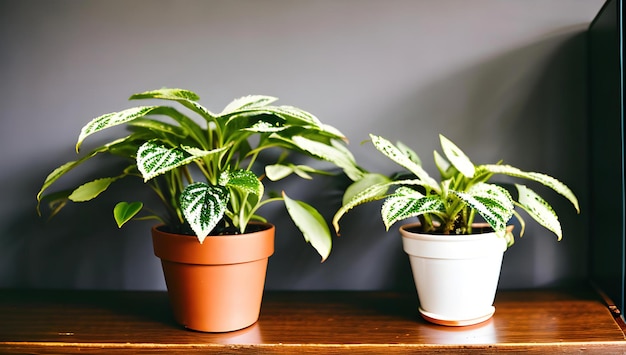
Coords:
455,261
205,169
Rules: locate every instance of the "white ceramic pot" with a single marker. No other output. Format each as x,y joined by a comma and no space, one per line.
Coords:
456,276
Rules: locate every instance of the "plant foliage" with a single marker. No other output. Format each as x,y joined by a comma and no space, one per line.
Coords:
166,148
450,206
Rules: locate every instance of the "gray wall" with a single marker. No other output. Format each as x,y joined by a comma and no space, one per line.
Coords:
503,79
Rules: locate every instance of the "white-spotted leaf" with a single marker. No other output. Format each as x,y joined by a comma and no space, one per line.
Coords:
203,207
394,153
539,209
154,158
112,119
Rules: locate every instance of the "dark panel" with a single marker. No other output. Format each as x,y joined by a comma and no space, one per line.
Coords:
607,150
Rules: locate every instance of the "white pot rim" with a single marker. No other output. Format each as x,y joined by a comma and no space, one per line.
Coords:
441,246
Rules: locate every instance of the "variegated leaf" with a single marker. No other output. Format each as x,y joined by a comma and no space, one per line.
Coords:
539,210
407,203
329,153
492,202
167,94
185,97
247,102
112,119
544,179
245,181
203,207
294,114
363,183
253,120
265,127
154,159
369,193
395,154
456,157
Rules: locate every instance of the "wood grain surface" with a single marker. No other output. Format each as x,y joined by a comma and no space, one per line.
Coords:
532,321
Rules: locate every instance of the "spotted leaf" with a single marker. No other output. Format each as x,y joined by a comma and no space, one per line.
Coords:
203,207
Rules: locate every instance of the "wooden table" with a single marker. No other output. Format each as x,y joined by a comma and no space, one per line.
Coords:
533,321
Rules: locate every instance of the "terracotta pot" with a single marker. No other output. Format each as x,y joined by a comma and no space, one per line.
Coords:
456,276
216,286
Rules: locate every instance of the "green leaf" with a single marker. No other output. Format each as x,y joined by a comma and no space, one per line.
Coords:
311,224
65,168
351,169
395,154
280,171
201,153
328,129
544,179
457,158
203,207
112,119
124,212
91,189
446,170
303,171
539,210
158,126
55,175
406,203
276,172
55,201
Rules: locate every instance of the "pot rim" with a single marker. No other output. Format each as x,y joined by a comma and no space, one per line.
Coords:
448,237
220,249
266,226
451,247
